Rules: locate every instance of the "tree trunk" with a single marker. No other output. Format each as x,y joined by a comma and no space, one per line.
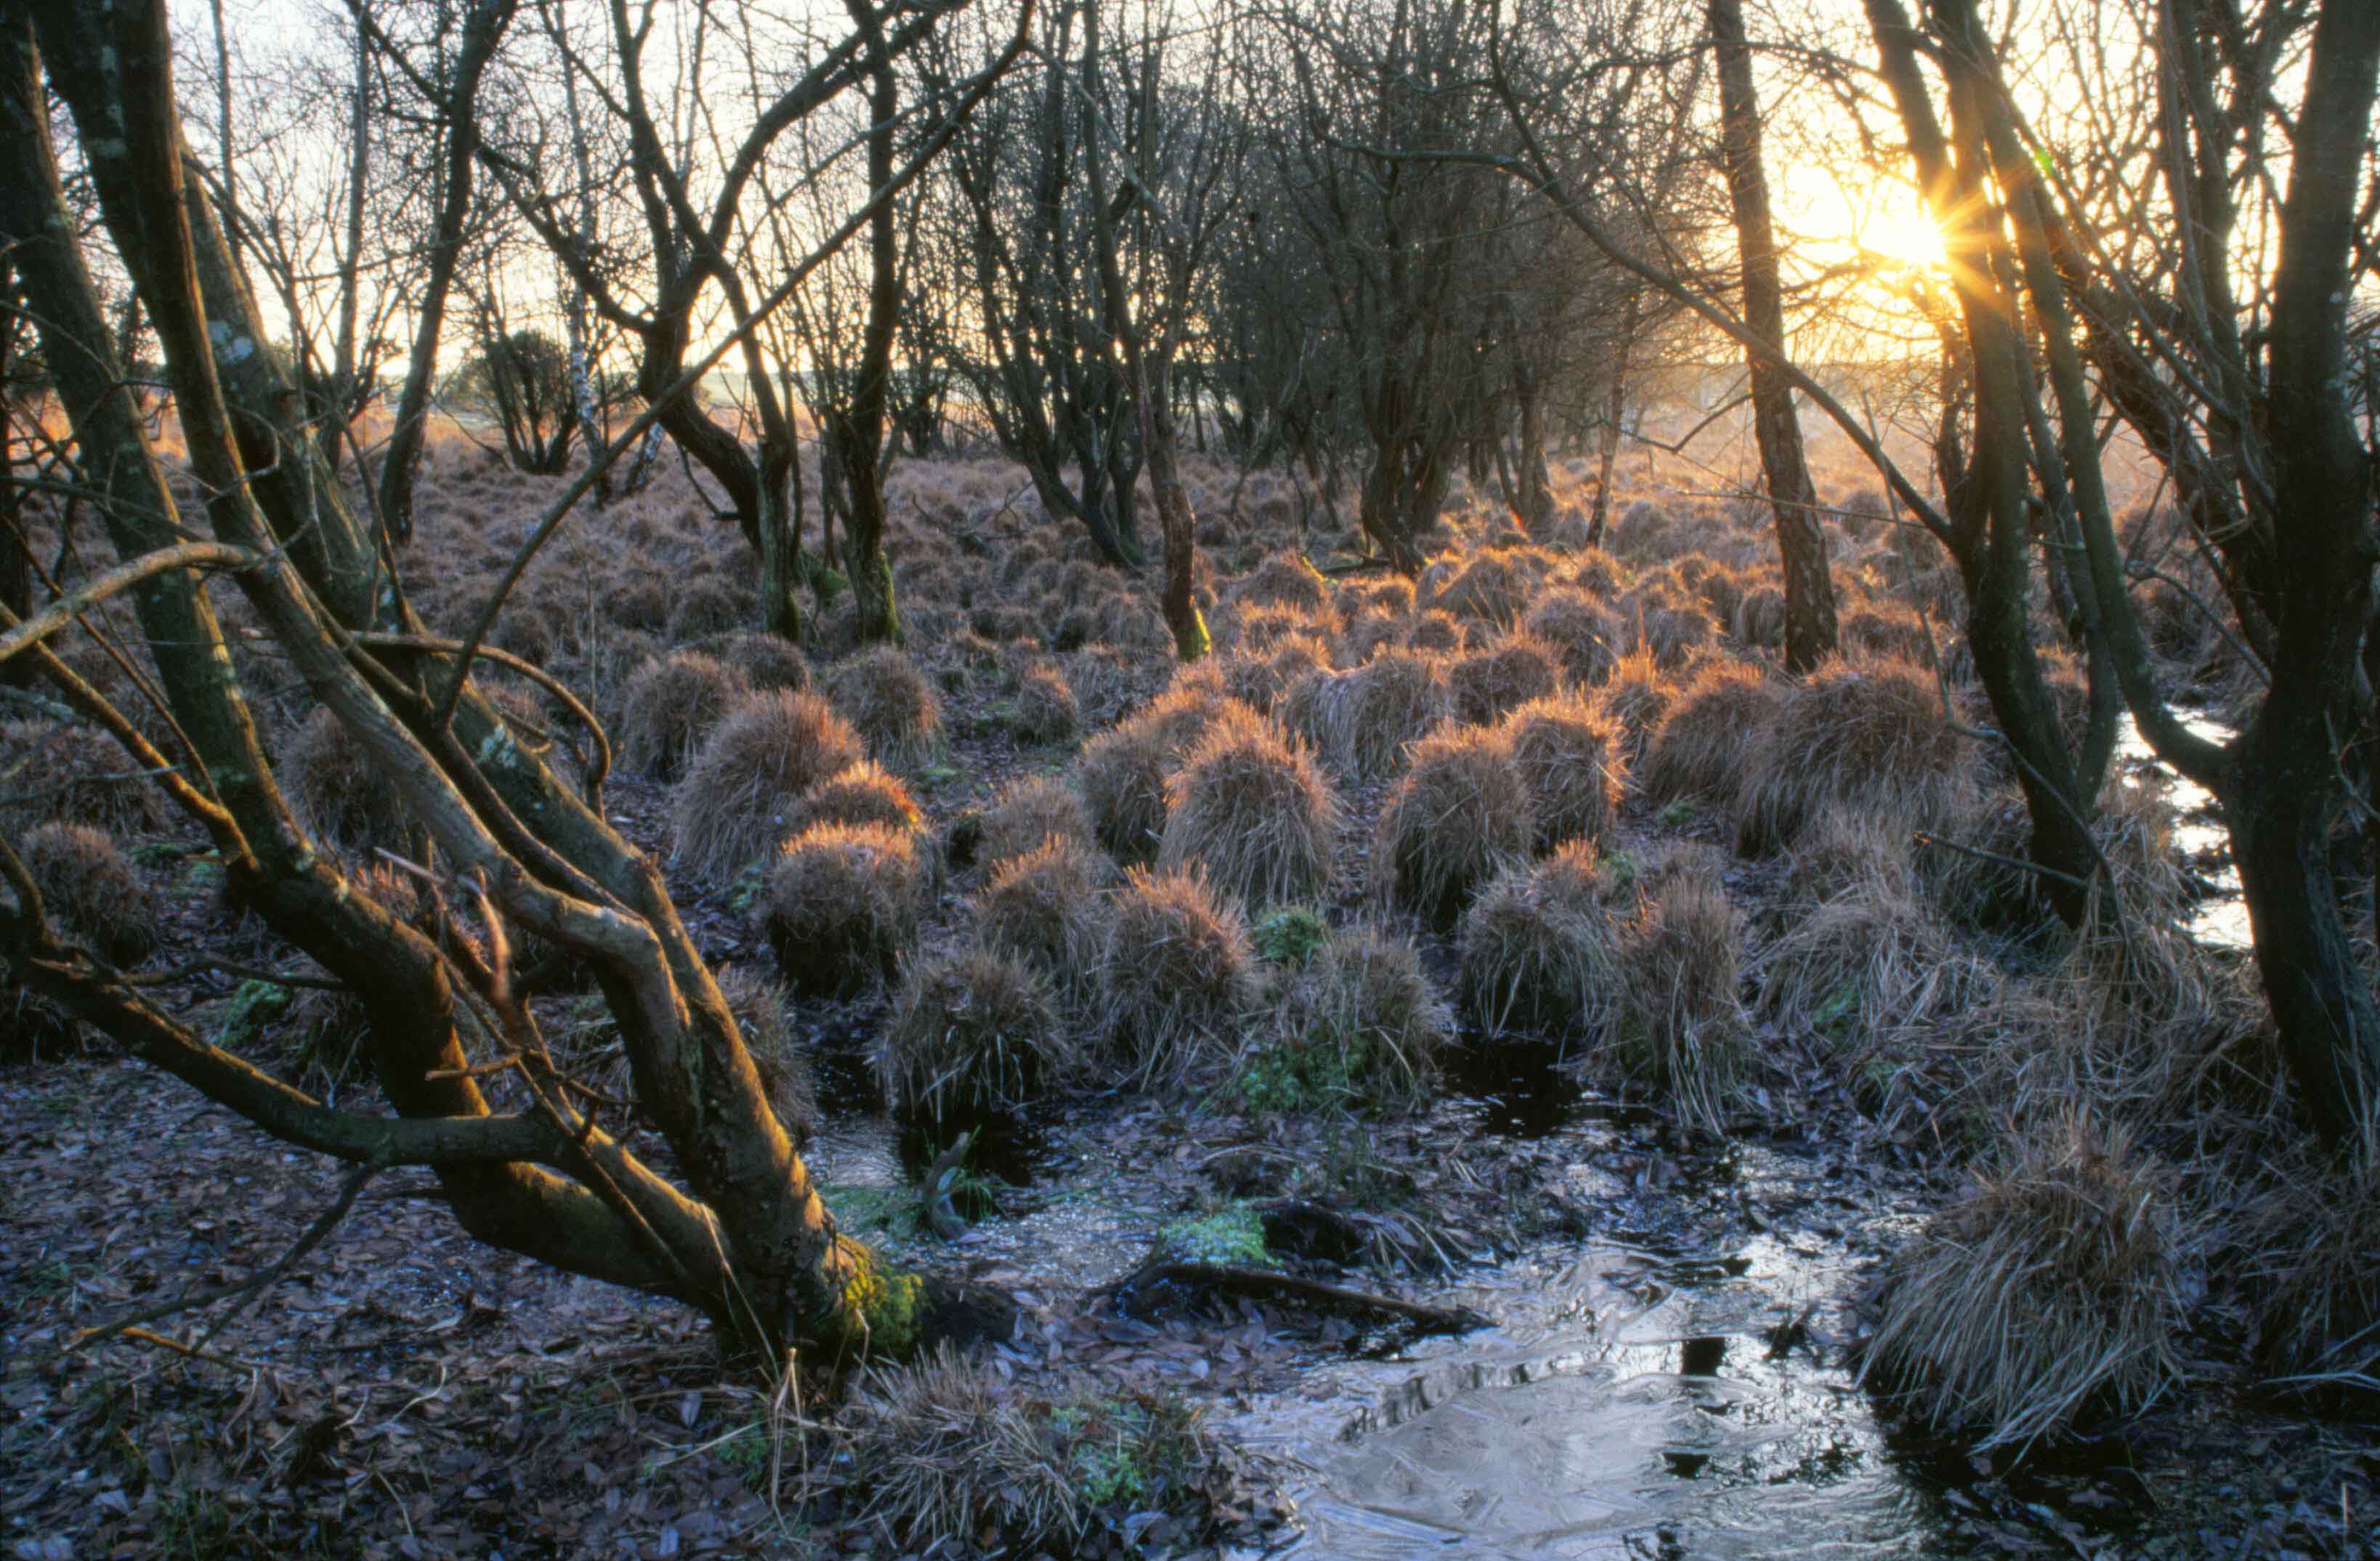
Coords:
1191,641
483,29
2285,786
1537,487
1615,407
1801,542
859,439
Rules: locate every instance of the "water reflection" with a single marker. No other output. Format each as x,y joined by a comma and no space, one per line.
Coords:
2220,919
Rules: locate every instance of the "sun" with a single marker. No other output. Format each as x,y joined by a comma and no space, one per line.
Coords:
1900,232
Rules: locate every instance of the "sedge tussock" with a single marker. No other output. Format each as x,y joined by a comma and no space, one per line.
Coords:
842,904
735,801
971,1033
1250,808
2051,1294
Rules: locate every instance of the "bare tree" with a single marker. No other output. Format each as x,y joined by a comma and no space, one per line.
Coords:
455,103
1802,545
2263,446
745,1236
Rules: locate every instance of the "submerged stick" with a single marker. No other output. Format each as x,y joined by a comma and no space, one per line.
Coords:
1264,1284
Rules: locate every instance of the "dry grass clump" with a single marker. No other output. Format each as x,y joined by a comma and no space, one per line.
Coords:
748,776
1493,588
1046,906
1362,1028
1538,949
1598,573
1123,771
1866,963
90,889
1885,630
1581,631
2312,1271
1669,631
1045,710
865,793
78,773
841,903
1569,756
1870,734
1260,629
759,1007
1101,677
2052,1293
1178,975
1362,720
1490,682
891,703
705,607
765,660
668,707
1760,618
945,1449
1258,679
1684,1031
1027,812
970,1033
1635,698
336,790
1707,740
1283,580
1844,848
1434,634
1461,815
1249,807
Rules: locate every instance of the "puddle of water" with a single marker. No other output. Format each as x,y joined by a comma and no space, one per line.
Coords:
1518,1085
2220,921
1674,1399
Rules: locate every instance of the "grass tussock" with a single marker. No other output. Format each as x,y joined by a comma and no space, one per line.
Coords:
738,794
2051,1295
891,703
1178,975
945,1447
1539,950
1461,815
841,905
1256,680
1706,742
78,775
1579,629
1122,772
1634,698
1493,588
1283,580
1492,681
1683,1031
336,790
1027,812
971,1033
765,660
1866,962
1362,1029
1863,733
867,793
1250,809
1568,755
1363,721
90,890
1045,710
1048,907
